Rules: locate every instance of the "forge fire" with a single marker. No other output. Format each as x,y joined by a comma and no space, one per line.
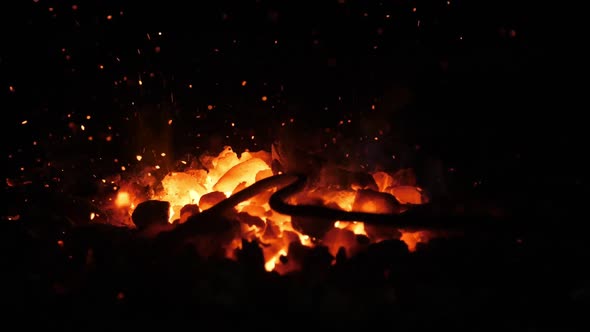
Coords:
152,205
412,164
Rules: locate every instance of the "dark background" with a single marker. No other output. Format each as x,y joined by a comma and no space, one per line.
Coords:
481,97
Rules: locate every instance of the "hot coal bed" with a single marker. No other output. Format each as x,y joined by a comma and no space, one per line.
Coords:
388,165
508,276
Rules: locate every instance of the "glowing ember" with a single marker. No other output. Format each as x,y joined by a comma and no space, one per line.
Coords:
123,199
192,191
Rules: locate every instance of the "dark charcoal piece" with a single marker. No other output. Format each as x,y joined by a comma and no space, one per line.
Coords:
251,257
188,211
250,220
314,227
209,233
152,212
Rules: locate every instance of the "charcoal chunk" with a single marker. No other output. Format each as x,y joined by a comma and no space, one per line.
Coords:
151,212
188,211
210,199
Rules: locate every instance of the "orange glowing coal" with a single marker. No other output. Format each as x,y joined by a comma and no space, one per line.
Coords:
192,191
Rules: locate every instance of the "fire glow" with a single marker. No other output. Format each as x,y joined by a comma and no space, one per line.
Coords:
194,190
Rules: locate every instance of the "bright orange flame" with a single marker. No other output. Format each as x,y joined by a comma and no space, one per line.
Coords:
123,199
413,238
271,263
357,228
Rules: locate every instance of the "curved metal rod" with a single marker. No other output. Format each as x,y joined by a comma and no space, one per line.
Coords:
223,208
416,217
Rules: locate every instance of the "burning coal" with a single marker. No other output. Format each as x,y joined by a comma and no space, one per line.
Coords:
245,197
